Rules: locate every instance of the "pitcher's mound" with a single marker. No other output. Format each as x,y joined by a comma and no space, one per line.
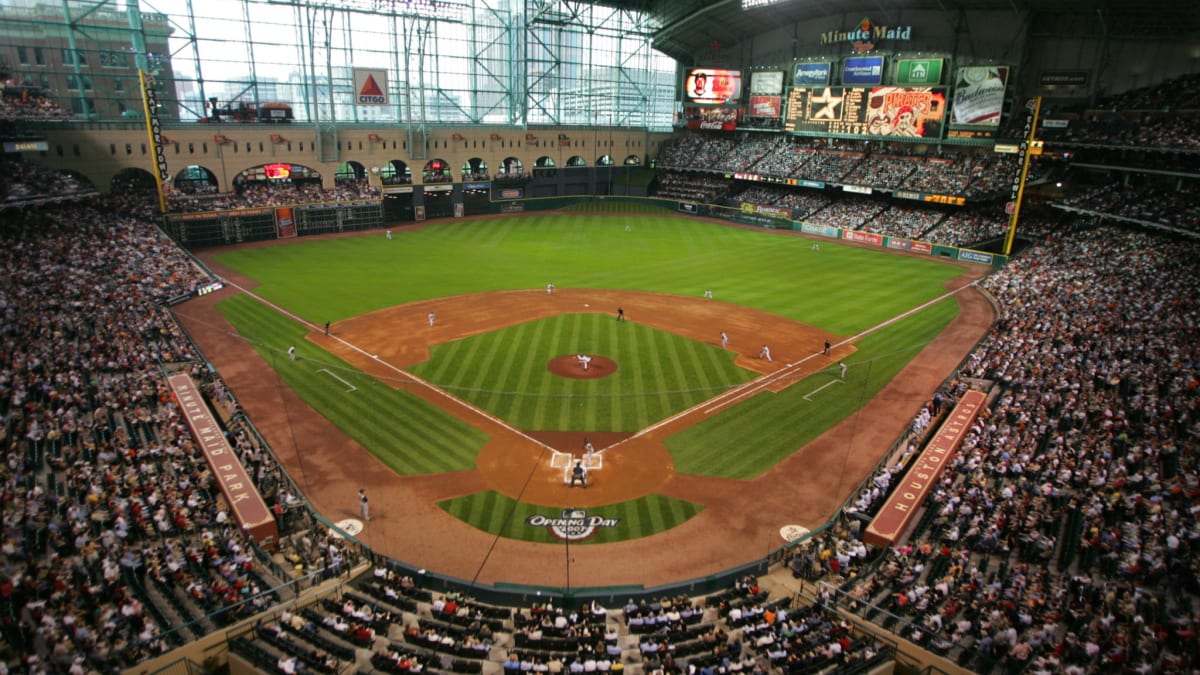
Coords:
570,366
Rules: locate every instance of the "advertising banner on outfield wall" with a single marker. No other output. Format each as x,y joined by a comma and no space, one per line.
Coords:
766,222
773,211
974,256
285,222
823,230
864,237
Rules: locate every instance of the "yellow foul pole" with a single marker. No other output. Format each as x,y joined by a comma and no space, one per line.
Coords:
1027,152
154,133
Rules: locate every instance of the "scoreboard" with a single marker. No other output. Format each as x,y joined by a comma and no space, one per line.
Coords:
867,111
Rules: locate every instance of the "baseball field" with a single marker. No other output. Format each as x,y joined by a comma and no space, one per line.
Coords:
451,384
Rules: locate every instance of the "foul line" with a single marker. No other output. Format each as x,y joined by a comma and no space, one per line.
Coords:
753,387
415,380
818,389
331,374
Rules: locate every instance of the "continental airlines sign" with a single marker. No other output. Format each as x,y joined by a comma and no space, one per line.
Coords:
864,36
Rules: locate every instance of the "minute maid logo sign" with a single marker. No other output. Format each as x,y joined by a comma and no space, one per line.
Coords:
574,525
863,37
370,86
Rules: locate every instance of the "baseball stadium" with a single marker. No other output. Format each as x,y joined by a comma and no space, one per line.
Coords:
689,337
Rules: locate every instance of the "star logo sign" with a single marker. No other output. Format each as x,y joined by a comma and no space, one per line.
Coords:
828,103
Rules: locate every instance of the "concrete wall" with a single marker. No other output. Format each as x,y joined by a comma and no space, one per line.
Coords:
99,152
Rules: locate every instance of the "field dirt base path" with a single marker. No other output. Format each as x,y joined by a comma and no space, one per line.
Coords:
741,520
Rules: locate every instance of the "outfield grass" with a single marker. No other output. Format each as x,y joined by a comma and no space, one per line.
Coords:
410,435
496,514
659,373
841,289
745,441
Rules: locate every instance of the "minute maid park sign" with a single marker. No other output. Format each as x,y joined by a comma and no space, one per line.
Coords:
863,37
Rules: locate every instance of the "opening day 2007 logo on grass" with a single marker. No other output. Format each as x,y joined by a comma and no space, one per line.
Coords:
573,525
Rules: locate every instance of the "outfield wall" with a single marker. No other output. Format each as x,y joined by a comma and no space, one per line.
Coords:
222,228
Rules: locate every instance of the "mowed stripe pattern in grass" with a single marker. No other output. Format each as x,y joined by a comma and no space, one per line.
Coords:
505,372
842,289
745,440
410,435
499,515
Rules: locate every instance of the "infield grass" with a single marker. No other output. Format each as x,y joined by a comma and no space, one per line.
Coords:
408,434
497,514
504,372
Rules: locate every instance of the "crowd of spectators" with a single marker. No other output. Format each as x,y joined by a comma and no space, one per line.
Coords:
1062,537
801,202
832,166
1176,93
205,197
741,156
967,226
942,176
512,177
1174,204
25,103
975,175
908,222
881,172
117,545
690,186
785,158
850,212
24,185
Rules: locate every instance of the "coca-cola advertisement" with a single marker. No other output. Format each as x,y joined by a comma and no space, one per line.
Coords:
713,119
